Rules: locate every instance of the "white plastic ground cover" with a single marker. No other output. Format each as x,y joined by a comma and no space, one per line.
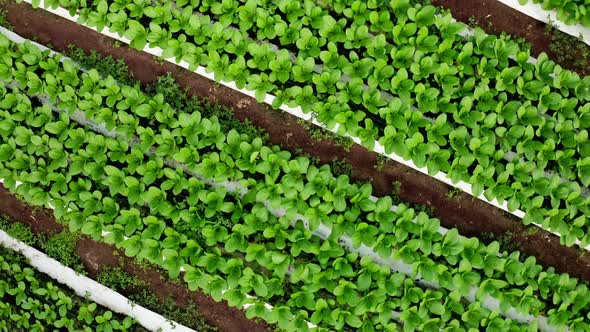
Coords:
537,12
323,231
86,287
297,111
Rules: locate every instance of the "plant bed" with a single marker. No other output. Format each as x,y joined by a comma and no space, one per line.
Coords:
495,18
472,217
96,257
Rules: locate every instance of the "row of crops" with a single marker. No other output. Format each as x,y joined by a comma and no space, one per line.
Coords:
248,222
29,301
475,107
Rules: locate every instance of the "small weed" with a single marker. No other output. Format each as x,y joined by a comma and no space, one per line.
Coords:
397,188
454,193
523,44
313,159
380,163
428,209
345,142
341,167
506,240
159,60
319,134
472,22
3,20
62,247
104,65
143,263
568,49
189,316
18,231
117,279
396,192
531,230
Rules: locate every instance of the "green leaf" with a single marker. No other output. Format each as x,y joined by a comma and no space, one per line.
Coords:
92,228
6,152
144,110
137,34
235,298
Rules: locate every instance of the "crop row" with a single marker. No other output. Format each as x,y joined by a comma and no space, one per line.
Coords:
205,150
498,113
29,302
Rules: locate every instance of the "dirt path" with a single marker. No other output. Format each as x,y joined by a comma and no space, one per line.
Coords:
471,216
95,256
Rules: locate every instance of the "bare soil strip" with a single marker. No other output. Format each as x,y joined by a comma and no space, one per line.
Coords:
471,216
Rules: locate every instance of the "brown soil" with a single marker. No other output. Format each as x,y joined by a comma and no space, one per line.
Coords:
471,216
95,256
495,17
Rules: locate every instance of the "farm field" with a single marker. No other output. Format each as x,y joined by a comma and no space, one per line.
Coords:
335,165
